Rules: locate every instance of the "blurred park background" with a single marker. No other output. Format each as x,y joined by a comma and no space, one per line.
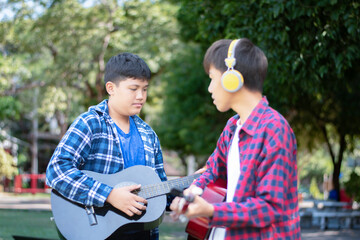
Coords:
53,54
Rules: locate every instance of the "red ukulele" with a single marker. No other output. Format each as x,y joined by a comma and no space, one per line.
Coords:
198,228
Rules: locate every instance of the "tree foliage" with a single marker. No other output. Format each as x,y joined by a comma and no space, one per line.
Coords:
188,122
314,54
61,48
352,186
7,168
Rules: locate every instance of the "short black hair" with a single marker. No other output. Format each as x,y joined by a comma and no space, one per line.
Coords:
126,65
251,61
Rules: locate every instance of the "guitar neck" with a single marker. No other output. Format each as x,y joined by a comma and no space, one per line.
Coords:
154,190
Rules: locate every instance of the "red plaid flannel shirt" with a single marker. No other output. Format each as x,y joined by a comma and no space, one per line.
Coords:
265,204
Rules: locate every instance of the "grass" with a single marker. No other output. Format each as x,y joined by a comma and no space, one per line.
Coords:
172,231
26,223
37,224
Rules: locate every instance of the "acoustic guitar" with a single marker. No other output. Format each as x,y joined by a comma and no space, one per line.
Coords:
75,221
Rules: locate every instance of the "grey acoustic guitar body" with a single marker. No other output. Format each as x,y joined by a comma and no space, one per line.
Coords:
74,223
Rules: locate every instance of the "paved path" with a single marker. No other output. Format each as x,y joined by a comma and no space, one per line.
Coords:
11,201
344,234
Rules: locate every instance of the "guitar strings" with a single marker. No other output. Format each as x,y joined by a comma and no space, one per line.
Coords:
153,190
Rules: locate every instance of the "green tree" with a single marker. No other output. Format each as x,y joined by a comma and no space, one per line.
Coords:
314,189
7,168
352,186
314,60
70,45
59,49
188,122
9,106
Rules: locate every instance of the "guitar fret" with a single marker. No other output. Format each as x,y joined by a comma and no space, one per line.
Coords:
146,193
153,190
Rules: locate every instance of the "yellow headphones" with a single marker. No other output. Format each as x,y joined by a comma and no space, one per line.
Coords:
232,80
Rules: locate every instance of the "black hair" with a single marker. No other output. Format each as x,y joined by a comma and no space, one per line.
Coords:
126,65
251,61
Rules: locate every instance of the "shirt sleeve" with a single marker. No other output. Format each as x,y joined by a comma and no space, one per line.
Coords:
268,204
63,172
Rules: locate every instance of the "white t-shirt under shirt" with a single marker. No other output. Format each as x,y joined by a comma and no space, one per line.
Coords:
233,174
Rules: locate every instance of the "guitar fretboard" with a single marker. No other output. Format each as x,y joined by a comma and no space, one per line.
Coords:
154,190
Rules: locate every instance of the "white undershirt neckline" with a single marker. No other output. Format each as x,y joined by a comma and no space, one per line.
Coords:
233,164
233,174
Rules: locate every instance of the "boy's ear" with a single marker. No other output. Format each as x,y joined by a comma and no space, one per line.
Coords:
110,88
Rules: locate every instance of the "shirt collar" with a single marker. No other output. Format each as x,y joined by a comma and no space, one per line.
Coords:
101,108
253,120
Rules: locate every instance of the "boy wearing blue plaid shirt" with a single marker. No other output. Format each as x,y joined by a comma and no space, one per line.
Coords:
108,138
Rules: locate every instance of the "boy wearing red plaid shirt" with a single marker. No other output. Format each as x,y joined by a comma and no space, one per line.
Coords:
255,154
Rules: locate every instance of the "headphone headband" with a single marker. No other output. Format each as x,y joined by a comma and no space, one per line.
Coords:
230,61
232,80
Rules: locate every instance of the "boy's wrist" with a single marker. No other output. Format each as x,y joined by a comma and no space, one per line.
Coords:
210,210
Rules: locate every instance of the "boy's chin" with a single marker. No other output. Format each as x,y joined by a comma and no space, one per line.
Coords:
222,109
135,112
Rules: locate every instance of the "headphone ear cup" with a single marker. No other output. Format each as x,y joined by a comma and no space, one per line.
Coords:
232,80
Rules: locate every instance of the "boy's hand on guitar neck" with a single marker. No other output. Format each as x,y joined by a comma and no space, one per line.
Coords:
199,207
123,199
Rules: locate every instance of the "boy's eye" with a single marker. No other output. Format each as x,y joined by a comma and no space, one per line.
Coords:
133,89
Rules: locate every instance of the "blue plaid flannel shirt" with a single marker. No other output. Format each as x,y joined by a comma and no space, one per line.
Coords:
91,143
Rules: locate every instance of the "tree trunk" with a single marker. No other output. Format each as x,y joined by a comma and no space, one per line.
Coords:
190,164
183,160
337,165
34,134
